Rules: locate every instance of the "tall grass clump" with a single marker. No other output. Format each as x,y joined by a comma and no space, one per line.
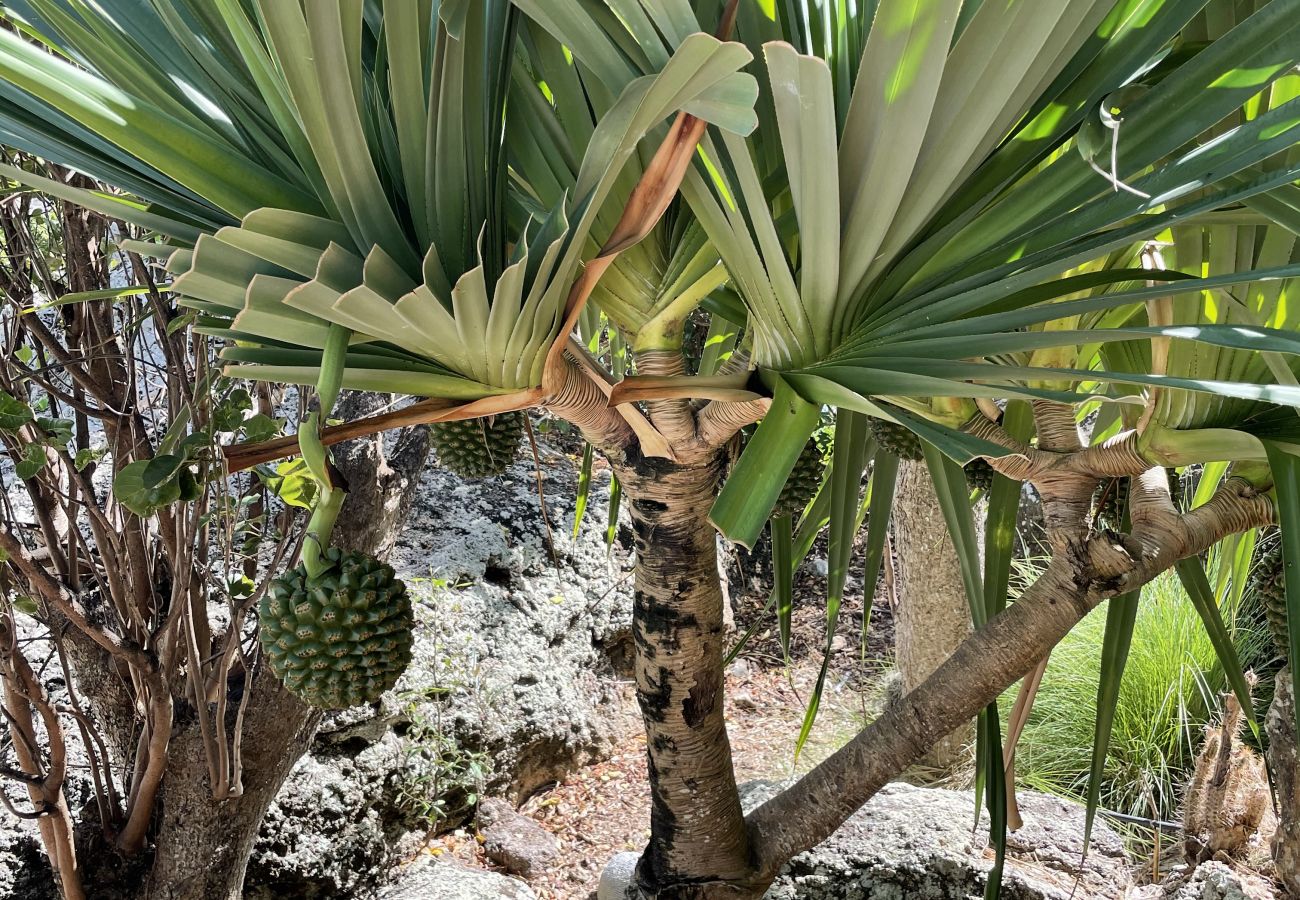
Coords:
1171,688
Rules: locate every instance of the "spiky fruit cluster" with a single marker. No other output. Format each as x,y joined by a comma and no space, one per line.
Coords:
803,482
979,474
1109,503
339,638
478,448
1268,584
895,439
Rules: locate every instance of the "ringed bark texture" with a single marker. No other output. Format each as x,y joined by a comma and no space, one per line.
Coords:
698,845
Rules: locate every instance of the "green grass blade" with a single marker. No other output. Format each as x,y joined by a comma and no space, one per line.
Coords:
1191,572
783,578
848,462
884,478
1121,615
990,734
584,488
615,500
814,519
954,502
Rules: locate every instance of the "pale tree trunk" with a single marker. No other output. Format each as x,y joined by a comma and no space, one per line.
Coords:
698,844
1285,762
933,615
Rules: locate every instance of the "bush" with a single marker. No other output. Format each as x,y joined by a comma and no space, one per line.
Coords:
1171,689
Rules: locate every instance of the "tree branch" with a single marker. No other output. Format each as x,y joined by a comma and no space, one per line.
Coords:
55,594
989,662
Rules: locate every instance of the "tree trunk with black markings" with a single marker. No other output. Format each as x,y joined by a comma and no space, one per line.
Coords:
698,845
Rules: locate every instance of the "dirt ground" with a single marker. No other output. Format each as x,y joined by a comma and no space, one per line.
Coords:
604,809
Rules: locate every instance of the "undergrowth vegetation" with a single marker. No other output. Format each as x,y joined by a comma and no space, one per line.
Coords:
1171,689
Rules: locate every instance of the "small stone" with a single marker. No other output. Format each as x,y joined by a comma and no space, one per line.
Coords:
430,880
743,700
513,841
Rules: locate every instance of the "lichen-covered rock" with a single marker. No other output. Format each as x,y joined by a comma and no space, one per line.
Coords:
429,880
510,686
912,843
1208,881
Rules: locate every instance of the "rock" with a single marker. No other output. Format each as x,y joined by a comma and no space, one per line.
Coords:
1208,881
24,870
430,880
513,841
617,876
916,843
329,830
744,700
512,686
912,843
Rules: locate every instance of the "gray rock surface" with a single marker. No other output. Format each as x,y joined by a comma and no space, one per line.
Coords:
513,841
512,685
911,843
1209,881
429,880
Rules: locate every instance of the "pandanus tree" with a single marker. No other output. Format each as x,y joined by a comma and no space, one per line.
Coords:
951,217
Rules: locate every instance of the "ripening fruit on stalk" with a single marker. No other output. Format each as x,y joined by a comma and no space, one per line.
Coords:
979,474
1267,583
803,482
478,448
339,638
895,439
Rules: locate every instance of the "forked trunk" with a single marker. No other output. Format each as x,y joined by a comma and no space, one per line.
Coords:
698,845
203,845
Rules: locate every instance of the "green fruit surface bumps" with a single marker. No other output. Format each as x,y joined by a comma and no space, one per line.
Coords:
805,478
895,439
341,638
1109,502
478,448
1267,583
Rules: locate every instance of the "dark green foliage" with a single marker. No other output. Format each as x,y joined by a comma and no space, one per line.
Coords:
478,448
895,439
340,638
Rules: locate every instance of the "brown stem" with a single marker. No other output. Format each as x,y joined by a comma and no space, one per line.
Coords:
698,845
986,664
578,399
53,592
22,691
